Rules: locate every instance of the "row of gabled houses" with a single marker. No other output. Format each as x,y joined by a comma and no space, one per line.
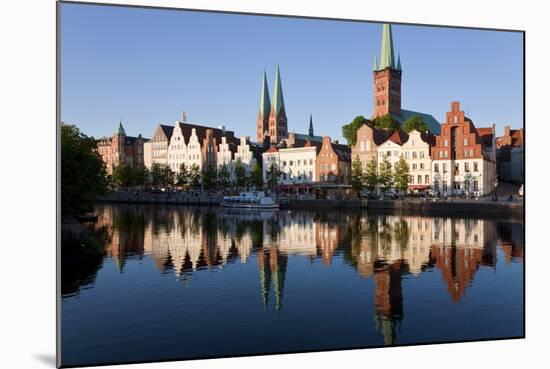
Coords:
452,157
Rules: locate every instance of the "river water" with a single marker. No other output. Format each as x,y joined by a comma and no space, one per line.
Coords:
190,282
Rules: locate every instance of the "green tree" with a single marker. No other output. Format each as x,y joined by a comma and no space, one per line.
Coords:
385,175
156,174
194,175
386,122
240,174
401,175
83,172
415,123
167,175
257,176
371,175
123,175
273,174
183,175
357,175
141,176
209,177
224,177
349,131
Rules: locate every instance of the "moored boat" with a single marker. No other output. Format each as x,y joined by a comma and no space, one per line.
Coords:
255,200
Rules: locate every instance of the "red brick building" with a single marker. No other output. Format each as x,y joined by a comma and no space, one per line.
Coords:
333,162
121,149
463,158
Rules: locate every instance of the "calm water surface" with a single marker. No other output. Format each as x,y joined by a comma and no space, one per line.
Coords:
181,282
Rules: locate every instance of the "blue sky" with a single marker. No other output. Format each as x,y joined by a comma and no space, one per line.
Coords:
145,66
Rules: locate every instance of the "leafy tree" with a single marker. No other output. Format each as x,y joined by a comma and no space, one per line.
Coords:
356,178
167,175
240,174
183,175
349,131
371,175
224,177
273,174
141,176
83,172
385,175
194,175
401,175
386,122
415,123
257,176
123,175
209,177
156,174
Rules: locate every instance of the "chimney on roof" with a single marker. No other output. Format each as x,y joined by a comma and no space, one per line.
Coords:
184,116
507,131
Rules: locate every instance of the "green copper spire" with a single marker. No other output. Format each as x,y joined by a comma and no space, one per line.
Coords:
375,65
120,130
387,59
278,101
265,105
310,126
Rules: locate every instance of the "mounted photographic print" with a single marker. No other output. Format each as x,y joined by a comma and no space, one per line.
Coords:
243,184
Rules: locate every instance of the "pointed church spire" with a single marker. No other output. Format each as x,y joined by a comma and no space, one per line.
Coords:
278,101
375,65
120,129
265,104
310,126
387,59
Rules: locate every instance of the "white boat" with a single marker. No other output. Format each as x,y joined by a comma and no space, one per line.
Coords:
255,200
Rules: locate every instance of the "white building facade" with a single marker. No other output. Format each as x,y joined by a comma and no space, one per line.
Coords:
297,165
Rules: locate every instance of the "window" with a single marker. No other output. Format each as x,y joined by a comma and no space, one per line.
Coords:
411,179
362,146
396,153
436,167
475,166
455,119
419,179
367,146
441,154
466,167
290,163
421,153
445,142
476,186
310,161
421,165
444,185
466,141
426,179
436,185
414,166
388,153
414,155
444,167
299,162
406,154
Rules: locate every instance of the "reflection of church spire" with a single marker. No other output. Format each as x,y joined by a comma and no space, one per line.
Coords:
265,276
388,300
272,267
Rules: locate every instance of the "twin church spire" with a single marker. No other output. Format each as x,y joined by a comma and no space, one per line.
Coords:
272,121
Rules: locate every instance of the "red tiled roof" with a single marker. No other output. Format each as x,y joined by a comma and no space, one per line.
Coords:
399,137
272,149
486,135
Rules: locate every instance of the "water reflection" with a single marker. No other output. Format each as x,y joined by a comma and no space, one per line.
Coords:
383,248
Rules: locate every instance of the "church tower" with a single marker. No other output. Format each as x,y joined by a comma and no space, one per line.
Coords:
387,78
310,131
277,118
262,123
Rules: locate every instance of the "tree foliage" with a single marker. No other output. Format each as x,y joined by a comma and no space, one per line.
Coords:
257,176
371,175
194,175
273,174
386,122
123,175
83,172
224,177
182,177
357,175
240,174
415,123
401,175
141,175
209,177
385,175
349,131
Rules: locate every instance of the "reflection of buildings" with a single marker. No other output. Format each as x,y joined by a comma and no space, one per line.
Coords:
388,299
459,247
272,264
292,234
510,240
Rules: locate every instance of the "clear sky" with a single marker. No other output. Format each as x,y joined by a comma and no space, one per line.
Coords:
146,66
